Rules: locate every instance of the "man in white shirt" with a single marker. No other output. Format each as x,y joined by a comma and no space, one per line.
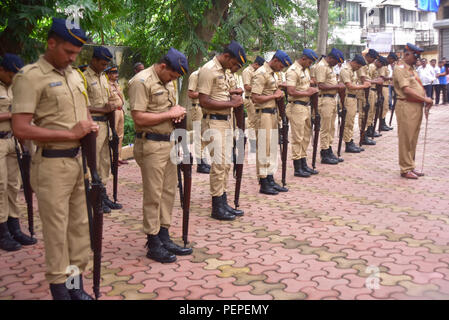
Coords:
436,82
427,75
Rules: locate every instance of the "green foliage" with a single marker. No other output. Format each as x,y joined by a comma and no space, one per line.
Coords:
129,131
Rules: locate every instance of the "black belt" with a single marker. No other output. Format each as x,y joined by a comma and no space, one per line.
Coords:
5,134
328,95
55,153
300,102
386,85
216,116
195,104
373,89
247,97
153,136
268,110
100,118
351,95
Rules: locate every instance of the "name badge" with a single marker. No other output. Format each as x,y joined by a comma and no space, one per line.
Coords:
94,83
220,77
2,97
159,93
55,84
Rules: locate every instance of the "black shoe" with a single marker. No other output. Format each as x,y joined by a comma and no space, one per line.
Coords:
17,234
351,147
266,188
332,155
383,126
59,291
299,171
79,294
326,159
230,209
305,167
7,242
367,141
111,204
371,132
156,250
218,210
106,208
274,185
170,245
202,167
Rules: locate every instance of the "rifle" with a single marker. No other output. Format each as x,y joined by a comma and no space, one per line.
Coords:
365,116
185,166
379,106
24,161
239,122
342,114
284,134
94,200
316,127
394,105
113,153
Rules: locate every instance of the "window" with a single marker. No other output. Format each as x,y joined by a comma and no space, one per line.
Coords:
353,12
389,18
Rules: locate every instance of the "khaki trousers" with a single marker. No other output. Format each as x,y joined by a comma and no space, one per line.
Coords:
327,108
301,129
409,118
267,137
386,94
120,128
220,133
372,110
159,178
351,110
59,187
103,153
251,112
9,180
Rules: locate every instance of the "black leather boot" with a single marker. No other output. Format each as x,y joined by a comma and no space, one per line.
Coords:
332,155
326,159
79,294
305,167
59,291
266,188
168,244
370,131
274,185
351,147
108,202
156,250
219,211
106,208
17,234
299,171
202,167
230,209
367,141
383,126
7,242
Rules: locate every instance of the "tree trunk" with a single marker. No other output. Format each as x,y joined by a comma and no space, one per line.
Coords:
323,6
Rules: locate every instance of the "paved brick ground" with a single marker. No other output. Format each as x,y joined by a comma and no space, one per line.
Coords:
355,231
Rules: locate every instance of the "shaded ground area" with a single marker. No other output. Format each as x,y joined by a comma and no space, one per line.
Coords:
355,231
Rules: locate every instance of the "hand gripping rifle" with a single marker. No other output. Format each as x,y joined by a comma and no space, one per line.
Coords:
284,134
365,116
379,106
24,160
239,151
184,167
113,152
316,127
342,114
94,200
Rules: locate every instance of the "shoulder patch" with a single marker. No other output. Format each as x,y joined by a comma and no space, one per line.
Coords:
55,84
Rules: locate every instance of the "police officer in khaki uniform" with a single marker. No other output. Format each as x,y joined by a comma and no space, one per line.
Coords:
247,76
411,98
374,74
298,110
100,98
154,111
388,82
52,93
264,93
327,103
217,103
348,76
197,120
117,100
11,237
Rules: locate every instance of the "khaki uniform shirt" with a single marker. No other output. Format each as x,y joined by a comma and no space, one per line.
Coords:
373,73
264,83
299,78
347,74
97,89
193,85
5,105
117,99
57,100
147,93
325,74
232,81
212,82
247,76
406,76
383,72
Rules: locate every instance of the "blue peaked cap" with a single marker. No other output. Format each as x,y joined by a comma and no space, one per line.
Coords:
359,59
337,54
283,57
309,53
102,53
11,62
75,36
178,61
